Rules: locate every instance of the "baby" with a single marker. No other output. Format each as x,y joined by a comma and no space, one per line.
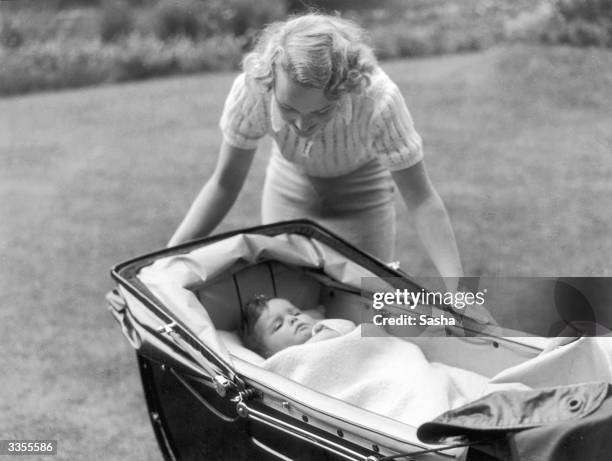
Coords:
273,324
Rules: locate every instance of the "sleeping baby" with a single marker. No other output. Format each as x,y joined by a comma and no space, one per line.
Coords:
273,324
386,375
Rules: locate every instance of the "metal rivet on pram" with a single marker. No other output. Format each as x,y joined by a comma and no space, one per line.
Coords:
242,410
169,328
574,405
222,384
395,265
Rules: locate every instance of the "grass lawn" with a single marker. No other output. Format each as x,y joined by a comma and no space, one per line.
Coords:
518,143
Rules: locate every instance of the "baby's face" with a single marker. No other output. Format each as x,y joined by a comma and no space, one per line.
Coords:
282,325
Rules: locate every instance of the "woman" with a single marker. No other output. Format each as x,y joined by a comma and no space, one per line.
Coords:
343,137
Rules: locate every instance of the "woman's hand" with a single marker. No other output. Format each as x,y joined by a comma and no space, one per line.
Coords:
217,196
431,220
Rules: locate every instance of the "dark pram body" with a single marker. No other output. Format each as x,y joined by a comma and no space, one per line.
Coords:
206,398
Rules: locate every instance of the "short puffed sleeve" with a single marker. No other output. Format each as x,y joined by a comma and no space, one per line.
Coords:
245,116
394,138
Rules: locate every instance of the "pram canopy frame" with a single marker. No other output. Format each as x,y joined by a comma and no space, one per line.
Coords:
224,380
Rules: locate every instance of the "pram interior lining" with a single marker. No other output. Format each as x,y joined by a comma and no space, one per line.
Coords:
211,283
207,287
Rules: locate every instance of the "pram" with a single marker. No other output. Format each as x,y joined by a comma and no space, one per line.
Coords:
209,398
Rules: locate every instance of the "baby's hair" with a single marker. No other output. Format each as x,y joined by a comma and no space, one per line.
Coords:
251,312
317,51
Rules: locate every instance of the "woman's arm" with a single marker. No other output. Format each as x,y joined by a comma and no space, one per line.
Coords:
431,220
217,196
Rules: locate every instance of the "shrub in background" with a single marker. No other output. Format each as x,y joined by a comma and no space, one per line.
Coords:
21,26
73,63
392,41
144,38
78,3
214,53
204,18
179,18
340,5
116,20
67,4
528,25
40,22
243,17
570,22
52,65
592,11
579,33
141,57
579,23
10,35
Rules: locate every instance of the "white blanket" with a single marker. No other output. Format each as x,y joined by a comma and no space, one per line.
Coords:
385,375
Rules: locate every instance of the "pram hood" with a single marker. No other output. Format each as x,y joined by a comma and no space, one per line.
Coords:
164,319
164,312
564,423
170,279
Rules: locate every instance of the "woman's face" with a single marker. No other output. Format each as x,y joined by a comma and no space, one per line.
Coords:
305,109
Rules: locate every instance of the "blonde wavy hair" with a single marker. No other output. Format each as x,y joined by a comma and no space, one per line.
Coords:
316,51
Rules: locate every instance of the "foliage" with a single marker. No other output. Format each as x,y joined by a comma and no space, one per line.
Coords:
196,19
592,11
144,38
66,4
394,41
577,33
10,35
339,5
47,24
51,65
179,18
143,57
72,63
243,17
116,21
78,3
580,23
